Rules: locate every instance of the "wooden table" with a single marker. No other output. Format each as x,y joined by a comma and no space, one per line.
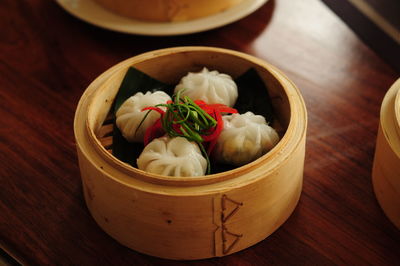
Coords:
48,58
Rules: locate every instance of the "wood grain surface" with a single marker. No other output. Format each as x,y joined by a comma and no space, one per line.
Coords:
48,58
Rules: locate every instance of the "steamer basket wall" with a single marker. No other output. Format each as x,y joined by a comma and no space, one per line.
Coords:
386,168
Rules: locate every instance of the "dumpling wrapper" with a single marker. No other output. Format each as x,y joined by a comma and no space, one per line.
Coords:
130,114
172,157
244,138
211,87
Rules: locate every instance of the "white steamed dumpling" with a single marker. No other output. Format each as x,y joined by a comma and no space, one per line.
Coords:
129,115
244,138
172,157
210,86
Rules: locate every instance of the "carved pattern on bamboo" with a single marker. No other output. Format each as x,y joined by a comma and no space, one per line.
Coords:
228,239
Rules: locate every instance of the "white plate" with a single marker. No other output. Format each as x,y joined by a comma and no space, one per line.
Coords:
91,12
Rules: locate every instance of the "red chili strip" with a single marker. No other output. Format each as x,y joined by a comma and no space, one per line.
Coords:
154,131
210,137
157,109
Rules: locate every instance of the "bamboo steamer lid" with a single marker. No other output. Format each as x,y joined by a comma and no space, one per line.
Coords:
386,168
191,218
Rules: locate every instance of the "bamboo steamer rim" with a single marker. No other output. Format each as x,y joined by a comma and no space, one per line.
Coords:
397,108
390,117
130,176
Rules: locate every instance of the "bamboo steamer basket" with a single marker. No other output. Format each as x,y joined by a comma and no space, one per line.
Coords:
386,167
191,218
167,10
